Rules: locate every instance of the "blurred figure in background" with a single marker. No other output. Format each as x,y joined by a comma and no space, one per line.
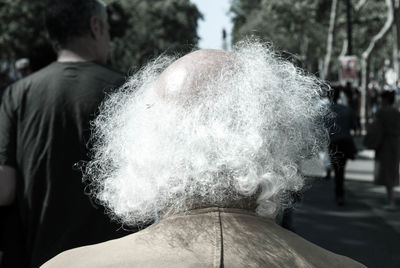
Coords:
384,136
5,212
356,107
341,147
211,144
44,131
22,66
5,81
373,99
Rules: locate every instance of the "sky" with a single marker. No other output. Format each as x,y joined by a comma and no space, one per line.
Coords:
215,18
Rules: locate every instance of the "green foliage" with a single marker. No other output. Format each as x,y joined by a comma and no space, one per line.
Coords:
151,28
366,22
300,28
16,29
22,32
295,27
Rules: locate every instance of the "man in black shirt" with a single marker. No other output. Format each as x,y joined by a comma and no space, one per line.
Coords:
44,131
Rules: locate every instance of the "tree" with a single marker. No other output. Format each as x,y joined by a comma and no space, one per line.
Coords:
329,42
396,37
150,28
295,27
23,33
372,45
310,30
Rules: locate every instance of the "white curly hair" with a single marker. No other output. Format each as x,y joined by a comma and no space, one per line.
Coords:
212,129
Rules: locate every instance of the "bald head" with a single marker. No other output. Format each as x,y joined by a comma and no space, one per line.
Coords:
212,128
184,77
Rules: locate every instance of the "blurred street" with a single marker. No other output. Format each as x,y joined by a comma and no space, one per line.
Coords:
361,229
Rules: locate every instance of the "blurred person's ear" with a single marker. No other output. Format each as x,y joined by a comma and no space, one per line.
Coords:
96,27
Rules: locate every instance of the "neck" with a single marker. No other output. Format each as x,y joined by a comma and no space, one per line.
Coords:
78,50
244,202
66,55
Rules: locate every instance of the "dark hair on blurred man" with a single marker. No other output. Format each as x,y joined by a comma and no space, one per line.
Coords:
44,131
71,22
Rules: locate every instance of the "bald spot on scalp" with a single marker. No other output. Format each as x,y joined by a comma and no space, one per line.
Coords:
185,76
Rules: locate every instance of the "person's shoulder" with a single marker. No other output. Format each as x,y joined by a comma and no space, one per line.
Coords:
312,253
107,69
108,73
17,89
38,75
150,247
121,252
87,256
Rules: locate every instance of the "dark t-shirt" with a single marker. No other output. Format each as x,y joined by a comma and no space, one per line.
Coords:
44,131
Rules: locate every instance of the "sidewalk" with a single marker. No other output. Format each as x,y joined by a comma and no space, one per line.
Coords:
361,229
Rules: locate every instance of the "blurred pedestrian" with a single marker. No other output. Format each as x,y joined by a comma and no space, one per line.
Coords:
373,98
5,81
356,107
384,136
341,146
22,66
44,131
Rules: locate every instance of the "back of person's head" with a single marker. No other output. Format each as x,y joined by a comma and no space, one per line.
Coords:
23,67
22,63
214,128
388,97
68,19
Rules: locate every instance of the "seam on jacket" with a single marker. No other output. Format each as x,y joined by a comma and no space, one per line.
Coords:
221,241
217,241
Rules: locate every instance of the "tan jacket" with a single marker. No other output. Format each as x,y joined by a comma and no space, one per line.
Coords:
211,237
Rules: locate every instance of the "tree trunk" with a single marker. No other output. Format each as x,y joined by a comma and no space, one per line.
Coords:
395,50
359,5
344,49
396,38
329,42
304,47
367,53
